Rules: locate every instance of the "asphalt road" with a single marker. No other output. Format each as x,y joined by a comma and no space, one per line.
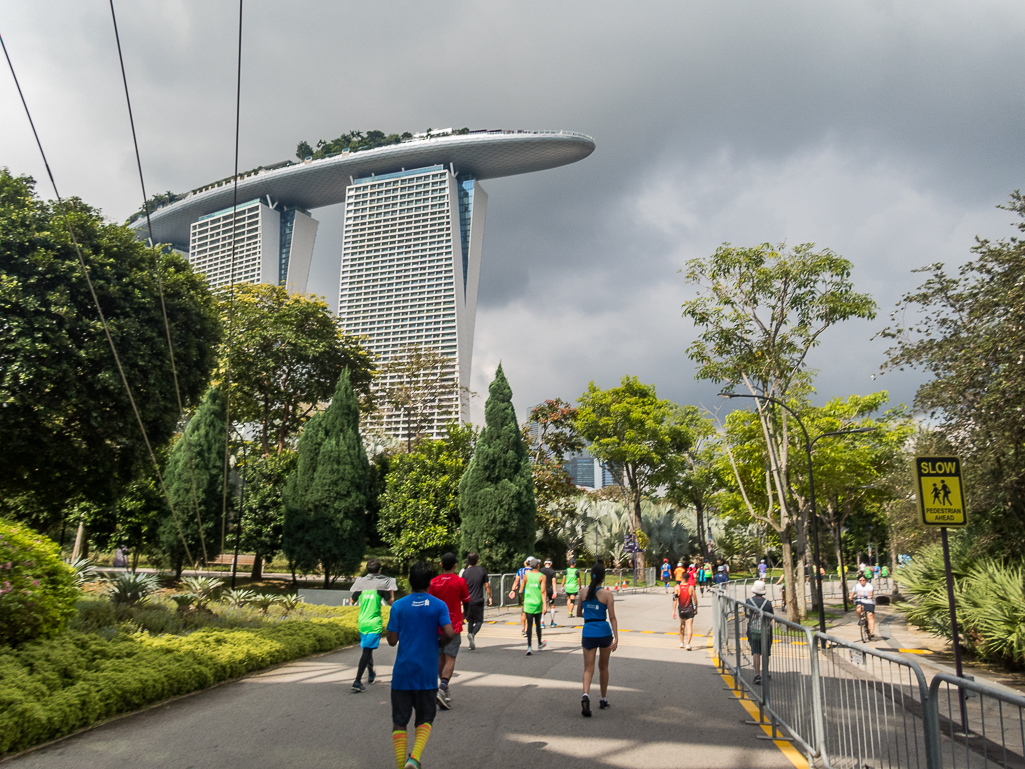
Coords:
669,710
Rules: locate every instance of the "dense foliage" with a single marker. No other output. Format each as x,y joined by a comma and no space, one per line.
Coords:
68,428
419,514
496,494
191,530
326,496
968,331
263,507
37,590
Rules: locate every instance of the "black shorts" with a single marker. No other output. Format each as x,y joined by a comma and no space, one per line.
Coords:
867,607
404,702
687,612
571,597
474,613
599,642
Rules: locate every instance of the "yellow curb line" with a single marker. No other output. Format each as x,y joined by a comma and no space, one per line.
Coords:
792,754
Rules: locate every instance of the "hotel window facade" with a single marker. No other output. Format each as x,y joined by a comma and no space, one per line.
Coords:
411,253
271,246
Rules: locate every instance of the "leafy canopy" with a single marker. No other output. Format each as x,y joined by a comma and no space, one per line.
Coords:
286,352
67,424
968,331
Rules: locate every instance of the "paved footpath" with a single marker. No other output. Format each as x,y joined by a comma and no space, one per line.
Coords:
669,710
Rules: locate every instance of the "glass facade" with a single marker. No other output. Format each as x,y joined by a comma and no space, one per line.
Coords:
465,191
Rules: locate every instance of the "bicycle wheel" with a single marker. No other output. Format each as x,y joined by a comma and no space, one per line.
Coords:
863,627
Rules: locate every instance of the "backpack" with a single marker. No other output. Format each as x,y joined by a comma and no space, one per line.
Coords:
754,625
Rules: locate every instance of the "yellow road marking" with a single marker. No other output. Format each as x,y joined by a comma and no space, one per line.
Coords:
912,651
788,750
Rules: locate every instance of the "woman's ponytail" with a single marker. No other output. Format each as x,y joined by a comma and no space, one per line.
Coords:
597,577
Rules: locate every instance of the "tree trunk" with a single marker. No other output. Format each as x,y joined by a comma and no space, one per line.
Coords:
839,559
699,509
135,560
327,579
257,572
81,549
789,593
802,572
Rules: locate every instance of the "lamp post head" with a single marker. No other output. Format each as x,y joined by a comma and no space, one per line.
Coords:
726,395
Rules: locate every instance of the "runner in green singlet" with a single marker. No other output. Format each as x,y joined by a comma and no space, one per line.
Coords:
534,602
571,584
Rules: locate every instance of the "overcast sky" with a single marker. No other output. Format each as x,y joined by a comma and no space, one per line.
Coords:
886,131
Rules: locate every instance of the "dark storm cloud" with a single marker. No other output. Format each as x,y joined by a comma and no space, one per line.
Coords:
885,131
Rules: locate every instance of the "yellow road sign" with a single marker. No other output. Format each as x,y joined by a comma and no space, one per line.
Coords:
941,499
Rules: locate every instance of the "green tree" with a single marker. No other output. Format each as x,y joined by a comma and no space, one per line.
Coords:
698,477
416,383
760,310
419,514
263,511
968,331
68,428
496,493
194,479
551,434
631,428
326,496
286,352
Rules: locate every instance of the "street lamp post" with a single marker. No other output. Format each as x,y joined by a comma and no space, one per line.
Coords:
808,444
241,507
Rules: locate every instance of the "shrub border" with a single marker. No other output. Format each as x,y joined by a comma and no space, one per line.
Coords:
103,721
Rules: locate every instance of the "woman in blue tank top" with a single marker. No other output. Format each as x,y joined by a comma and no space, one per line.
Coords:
600,636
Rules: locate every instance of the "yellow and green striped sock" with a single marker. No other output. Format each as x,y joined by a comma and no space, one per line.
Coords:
423,731
400,740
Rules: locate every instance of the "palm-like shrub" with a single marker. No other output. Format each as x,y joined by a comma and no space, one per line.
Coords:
668,537
264,601
203,588
184,601
238,597
84,570
128,588
291,602
989,598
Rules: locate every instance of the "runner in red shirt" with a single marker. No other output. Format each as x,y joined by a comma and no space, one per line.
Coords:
452,589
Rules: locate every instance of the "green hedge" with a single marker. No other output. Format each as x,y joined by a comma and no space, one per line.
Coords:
49,688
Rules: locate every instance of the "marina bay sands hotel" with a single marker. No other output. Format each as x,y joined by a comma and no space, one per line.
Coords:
412,240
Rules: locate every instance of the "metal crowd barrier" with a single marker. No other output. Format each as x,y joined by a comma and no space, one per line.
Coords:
501,584
849,706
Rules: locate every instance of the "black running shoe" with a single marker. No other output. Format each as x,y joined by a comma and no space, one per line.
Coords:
357,687
585,706
603,704
371,676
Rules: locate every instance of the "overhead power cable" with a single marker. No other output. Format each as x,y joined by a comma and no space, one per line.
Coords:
160,286
92,293
231,290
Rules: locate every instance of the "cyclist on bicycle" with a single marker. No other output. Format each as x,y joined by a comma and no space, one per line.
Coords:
864,603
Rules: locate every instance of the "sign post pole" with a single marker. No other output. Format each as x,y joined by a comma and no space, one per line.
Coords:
941,502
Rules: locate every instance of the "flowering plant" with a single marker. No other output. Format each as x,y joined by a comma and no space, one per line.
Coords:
37,589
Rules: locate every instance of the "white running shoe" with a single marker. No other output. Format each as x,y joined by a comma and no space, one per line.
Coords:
472,644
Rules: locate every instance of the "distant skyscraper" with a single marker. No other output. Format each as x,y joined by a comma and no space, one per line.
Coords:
412,237
410,268
271,246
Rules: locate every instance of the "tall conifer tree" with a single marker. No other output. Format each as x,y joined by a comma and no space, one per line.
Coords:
326,497
496,494
194,479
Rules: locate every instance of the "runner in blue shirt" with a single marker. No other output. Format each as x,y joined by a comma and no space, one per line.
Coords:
667,572
414,625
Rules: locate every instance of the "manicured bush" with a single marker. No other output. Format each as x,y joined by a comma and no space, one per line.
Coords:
37,589
49,688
